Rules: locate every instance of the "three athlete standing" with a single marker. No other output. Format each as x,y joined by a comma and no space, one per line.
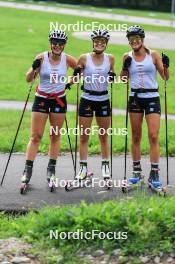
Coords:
140,65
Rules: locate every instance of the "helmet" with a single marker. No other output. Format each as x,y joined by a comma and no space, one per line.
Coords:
100,33
58,34
135,30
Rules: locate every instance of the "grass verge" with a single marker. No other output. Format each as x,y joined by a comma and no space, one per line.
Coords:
10,119
149,225
27,39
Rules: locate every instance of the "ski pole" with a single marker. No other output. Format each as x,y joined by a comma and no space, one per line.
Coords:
111,129
17,131
70,145
76,135
166,126
126,124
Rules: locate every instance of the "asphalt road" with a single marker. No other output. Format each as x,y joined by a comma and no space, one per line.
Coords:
39,194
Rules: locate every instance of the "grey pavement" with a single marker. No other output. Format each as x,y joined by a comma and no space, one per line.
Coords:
91,14
19,105
153,39
39,194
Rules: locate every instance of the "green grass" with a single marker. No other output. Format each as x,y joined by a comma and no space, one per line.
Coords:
28,37
149,223
139,13
10,119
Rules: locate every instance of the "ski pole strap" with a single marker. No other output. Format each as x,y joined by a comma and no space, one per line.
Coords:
98,93
52,95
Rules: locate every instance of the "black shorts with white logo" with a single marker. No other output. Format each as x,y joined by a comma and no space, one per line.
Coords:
144,105
47,106
88,107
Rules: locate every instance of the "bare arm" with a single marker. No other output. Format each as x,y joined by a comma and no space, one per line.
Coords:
81,64
31,73
124,74
164,72
112,62
71,61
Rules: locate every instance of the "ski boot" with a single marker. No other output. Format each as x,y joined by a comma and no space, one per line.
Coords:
106,174
51,178
135,181
27,174
154,182
136,177
82,174
81,179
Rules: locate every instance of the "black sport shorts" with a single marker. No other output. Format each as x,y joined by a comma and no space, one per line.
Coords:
88,107
144,105
44,105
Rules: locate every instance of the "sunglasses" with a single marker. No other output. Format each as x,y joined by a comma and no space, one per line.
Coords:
59,43
136,38
100,40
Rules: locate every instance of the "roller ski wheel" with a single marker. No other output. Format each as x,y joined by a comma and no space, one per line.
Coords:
133,184
161,191
108,183
24,188
52,183
77,184
27,174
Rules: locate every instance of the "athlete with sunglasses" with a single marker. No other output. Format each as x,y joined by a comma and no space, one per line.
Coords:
50,100
141,65
97,68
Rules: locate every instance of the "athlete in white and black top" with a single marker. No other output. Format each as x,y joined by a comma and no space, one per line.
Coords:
50,99
141,65
97,68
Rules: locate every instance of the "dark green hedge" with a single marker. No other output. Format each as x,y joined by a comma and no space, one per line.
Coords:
157,5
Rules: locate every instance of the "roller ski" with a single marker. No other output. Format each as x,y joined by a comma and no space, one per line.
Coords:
82,179
136,181
154,183
106,174
27,174
51,178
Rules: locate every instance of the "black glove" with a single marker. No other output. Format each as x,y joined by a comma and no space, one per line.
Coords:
68,86
36,64
77,71
165,60
111,76
127,63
